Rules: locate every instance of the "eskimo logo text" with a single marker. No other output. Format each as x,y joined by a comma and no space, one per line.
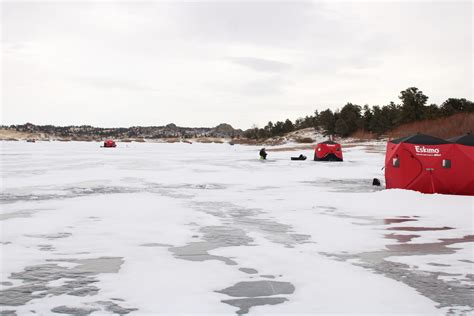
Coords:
424,150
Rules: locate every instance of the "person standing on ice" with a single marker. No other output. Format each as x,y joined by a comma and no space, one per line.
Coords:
263,154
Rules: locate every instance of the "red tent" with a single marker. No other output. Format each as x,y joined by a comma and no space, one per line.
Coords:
464,151
328,151
109,143
430,165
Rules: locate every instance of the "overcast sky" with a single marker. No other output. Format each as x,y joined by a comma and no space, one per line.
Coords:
204,63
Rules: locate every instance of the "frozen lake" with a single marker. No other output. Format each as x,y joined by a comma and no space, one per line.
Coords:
146,229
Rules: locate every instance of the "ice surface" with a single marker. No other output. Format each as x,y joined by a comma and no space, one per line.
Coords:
144,229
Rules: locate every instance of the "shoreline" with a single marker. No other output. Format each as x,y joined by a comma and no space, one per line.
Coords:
300,139
374,146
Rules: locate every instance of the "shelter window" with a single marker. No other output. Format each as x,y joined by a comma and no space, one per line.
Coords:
446,163
396,162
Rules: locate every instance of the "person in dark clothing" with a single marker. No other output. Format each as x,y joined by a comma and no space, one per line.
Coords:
263,154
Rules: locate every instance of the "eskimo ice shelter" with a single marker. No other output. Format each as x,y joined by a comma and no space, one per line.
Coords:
328,151
109,143
431,165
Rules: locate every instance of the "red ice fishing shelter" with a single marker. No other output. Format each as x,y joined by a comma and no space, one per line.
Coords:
464,152
429,165
109,143
328,151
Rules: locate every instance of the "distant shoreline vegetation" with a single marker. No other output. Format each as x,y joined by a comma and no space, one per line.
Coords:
135,132
353,119
451,118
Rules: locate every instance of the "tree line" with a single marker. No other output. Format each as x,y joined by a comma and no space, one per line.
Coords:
374,119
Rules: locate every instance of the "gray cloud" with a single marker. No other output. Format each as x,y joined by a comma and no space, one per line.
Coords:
274,23
113,83
260,64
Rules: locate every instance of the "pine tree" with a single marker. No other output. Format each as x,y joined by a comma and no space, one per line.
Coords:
413,103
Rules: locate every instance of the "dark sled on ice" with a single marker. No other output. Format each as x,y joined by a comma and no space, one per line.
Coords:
300,157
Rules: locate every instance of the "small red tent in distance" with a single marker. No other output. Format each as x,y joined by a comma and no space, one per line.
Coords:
431,165
328,151
109,143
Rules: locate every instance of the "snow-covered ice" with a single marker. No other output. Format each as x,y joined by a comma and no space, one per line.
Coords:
147,228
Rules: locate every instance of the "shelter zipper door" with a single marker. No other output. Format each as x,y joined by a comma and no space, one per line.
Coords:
412,168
